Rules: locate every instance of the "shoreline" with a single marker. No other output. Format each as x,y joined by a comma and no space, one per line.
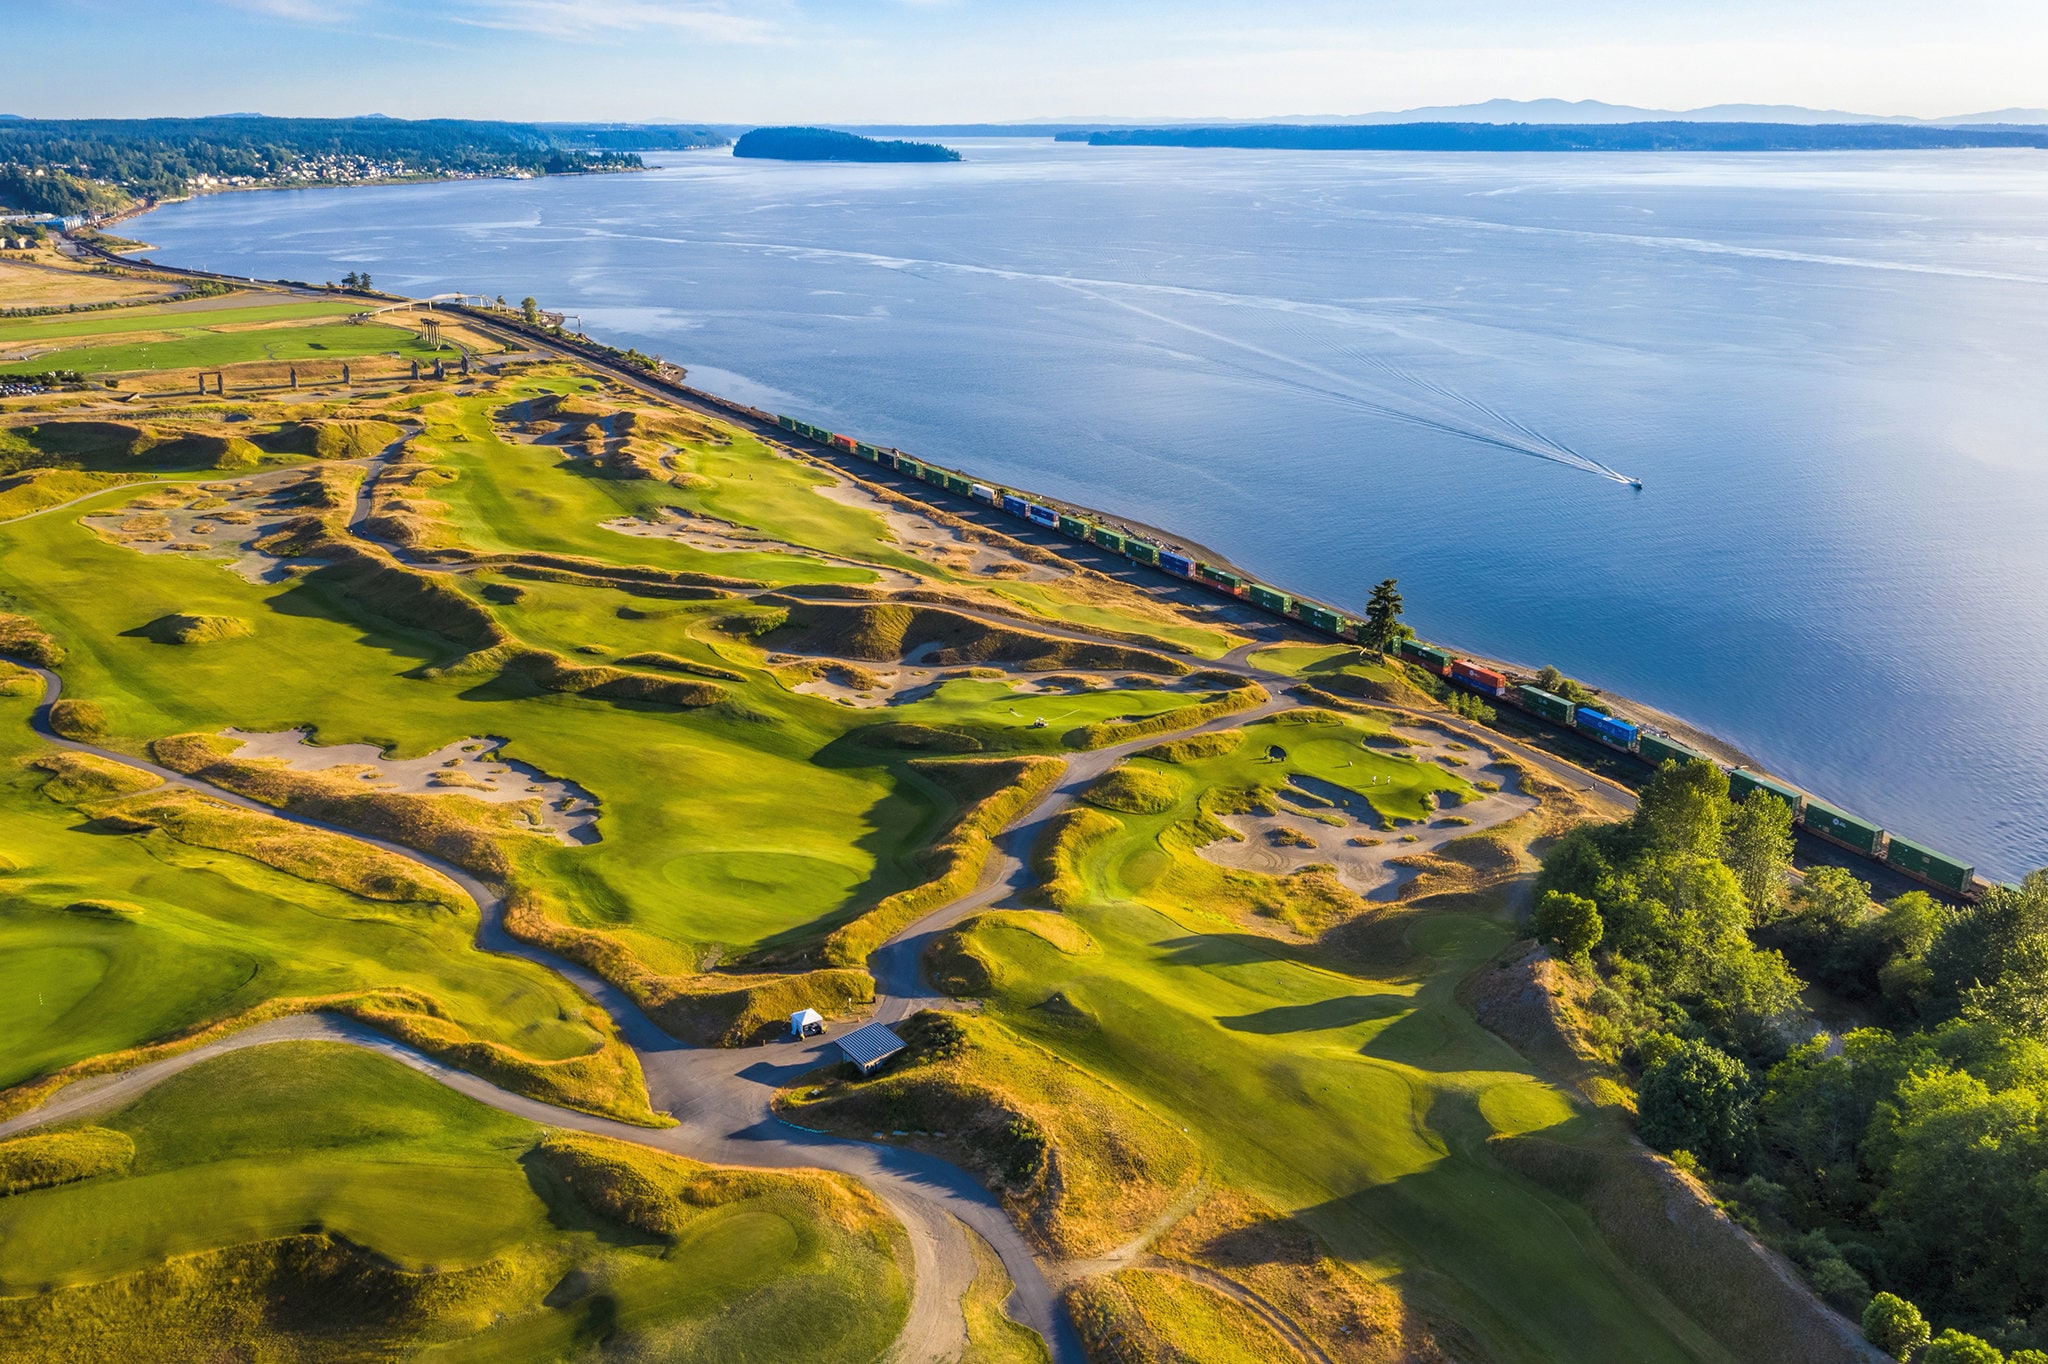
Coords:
584,348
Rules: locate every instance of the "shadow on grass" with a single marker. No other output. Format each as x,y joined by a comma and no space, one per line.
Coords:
1343,1011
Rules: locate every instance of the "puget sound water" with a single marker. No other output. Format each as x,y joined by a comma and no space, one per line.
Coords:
1827,369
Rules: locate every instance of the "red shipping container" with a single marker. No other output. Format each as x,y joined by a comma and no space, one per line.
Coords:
1486,679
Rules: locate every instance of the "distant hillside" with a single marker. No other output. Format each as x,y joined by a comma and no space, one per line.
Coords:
1676,136
824,144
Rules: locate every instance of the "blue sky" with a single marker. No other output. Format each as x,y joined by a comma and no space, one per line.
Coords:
962,60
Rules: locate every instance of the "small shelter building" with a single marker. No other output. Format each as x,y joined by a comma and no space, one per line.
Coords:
870,1047
806,1023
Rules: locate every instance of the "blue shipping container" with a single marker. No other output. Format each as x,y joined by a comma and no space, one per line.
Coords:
1044,516
1014,505
1620,733
1177,563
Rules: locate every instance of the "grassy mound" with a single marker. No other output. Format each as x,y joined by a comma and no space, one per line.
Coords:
1135,790
82,721
558,674
453,827
25,639
997,790
76,777
309,854
120,911
889,631
313,1202
670,663
181,628
1057,857
1111,732
705,1009
916,738
1080,1166
959,968
1351,1318
47,1159
331,439
1195,747
1154,1316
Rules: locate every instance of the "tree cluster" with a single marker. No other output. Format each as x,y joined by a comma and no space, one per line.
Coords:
1902,1164
69,166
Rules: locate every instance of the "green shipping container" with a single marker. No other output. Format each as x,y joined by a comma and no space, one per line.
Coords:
1742,781
1109,539
1929,865
1551,707
1844,829
1321,619
1221,577
1143,552
1074,526
1268,598
1427,655
962,486
1657,752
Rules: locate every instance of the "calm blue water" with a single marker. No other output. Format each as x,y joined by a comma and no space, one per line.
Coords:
1338,367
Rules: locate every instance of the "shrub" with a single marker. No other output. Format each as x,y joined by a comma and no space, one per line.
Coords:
1700,1099
1958,1347
1569,923
1894,1325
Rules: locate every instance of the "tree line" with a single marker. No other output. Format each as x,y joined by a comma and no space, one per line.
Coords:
66,166
1898,1155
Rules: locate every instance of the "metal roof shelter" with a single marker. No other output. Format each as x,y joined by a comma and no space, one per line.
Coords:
868,1047
806,1023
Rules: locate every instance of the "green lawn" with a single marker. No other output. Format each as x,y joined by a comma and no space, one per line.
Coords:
274,1141
164,318
701,844
1361,1099
218,934
516,497
201,348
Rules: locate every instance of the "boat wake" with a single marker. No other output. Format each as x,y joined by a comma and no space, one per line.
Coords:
1425,404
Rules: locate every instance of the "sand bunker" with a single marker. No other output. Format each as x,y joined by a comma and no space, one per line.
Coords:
944,546
1348,834
468,767
222,520
717,536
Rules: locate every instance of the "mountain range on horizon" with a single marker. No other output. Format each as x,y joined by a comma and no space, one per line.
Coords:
1584,111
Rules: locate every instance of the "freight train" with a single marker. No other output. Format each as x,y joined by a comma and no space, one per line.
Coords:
1824,821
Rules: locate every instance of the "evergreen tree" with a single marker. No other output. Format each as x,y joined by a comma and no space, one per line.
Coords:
1383,614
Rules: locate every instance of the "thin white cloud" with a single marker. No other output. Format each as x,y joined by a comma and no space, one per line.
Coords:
596,20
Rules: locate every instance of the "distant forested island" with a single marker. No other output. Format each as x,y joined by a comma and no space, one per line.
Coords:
1675,136
823,144
85,166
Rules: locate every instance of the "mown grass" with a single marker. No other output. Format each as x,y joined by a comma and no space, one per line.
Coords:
219,933
992,1337
1344,1086
1078,1164
201,348
169,319
311,1201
